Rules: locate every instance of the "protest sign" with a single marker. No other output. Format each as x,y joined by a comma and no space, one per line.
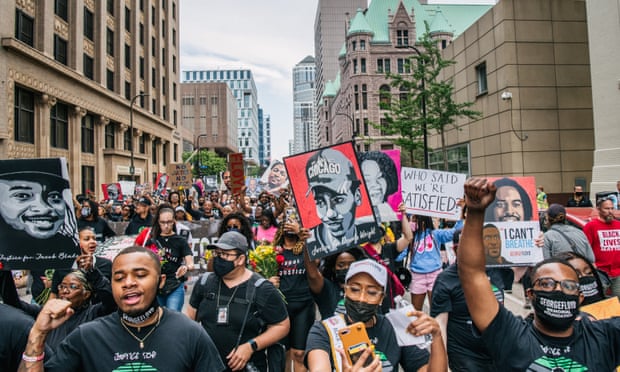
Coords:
237,175
38,228
381,175
161,185
274,178
432,193
128,187
112,191
336,207
179,176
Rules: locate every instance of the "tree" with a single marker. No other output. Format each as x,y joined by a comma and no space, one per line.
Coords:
419,90
206,163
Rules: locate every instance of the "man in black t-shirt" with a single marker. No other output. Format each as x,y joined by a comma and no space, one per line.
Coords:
15,326
141,336
141,219
554,340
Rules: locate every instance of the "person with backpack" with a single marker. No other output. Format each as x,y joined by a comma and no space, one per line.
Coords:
239,308
563,237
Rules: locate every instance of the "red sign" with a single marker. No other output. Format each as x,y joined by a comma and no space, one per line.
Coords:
237,176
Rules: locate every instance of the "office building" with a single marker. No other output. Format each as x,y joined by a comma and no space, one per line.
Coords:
304,120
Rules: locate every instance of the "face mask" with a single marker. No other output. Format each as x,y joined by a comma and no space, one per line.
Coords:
222,267
360,311
556,309
578,194
341,275
589,288
232,228
85,212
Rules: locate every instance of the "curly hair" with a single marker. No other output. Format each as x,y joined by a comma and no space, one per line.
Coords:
329,265
387,167
278,240
246,226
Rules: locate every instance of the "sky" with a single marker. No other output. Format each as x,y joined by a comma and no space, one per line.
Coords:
268,37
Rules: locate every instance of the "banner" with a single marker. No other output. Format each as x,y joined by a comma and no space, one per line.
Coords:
332,199
180,176
511,224
38,227
112,191
237,177
274,178
432,193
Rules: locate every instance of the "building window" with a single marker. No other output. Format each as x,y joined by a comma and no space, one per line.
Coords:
59,126
89,24
142,5
153,46
364,97
458,159
356,96
402,37
127,56
109,45
153,15
174,10
127,140
109,136
154,152
88,134
175,154
141,67
127,19
141,142
60,49
353,45
383,126
24,115
174,37
365,126
163,86
385,97
355,66
153,77
141,34
88,178
61,10
110,7
403,94
362,44
174,64
163,28
154,106
174,91
164,154
110,79
88,67
174,117
24,27
127,90
163,56
481,75
363,65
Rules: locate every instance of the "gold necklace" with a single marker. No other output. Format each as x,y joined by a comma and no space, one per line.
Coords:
141,340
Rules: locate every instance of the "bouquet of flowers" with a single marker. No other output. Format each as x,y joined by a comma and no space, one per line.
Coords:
265,261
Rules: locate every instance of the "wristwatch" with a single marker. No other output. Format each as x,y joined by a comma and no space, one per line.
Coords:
253,344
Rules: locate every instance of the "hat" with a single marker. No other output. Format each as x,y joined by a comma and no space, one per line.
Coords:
556,212
43,171
231,240
330,169
145,201
370,267
179,209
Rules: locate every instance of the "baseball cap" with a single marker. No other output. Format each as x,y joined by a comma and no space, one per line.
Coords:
556,211
179,209
330,169
48,171
231,240
370,267
145,201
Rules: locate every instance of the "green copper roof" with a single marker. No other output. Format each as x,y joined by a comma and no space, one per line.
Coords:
343,50
440,23
359,24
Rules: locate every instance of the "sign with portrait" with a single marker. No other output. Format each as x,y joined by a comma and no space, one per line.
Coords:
511,224
237,174
112,191
38,228
432,193
252,187
180,176
332,199
128,187
274,178
381,170
161,185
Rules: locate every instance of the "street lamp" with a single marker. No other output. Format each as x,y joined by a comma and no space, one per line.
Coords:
132,169
423,88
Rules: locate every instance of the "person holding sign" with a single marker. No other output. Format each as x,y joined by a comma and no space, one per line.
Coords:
554,340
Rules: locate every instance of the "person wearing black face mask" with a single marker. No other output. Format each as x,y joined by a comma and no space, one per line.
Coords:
590,283
554,340
89,217
364,291
578,199
219,302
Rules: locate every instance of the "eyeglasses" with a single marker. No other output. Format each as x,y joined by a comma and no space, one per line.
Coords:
549,284
355,292
70,287
226,255
166,222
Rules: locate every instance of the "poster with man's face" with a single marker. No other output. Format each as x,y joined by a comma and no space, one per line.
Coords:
112,191
38,228
161,185
274,178
332,199
511,224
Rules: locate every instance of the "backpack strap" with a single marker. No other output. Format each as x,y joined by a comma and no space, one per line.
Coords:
570,242
332,325
250,293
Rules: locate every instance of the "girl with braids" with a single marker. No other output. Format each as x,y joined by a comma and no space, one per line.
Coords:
293,284
174,253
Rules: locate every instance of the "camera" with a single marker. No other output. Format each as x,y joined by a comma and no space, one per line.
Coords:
506,96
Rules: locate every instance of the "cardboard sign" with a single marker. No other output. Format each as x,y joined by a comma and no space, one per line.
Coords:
237,174
432,193
332,199
180,176
38,228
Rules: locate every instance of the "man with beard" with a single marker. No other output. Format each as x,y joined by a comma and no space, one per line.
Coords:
603,234
364,291
140,336
554,340
511,203
36,215
578,199
493,245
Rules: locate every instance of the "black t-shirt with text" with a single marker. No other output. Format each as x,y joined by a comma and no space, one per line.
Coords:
172,251
293,280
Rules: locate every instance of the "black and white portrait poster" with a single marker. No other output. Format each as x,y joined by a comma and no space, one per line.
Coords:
38,228
332,199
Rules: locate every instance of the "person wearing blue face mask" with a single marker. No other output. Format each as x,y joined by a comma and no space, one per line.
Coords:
243,311
89,217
